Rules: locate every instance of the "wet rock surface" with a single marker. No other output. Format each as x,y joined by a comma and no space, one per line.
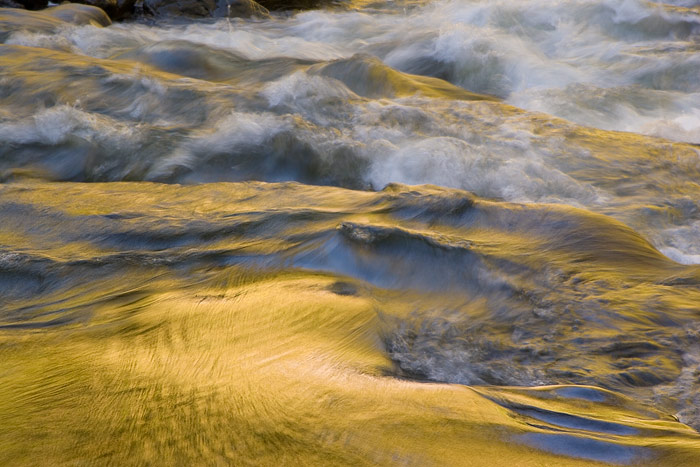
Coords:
206,8
49,20
115,9
134,9
10,4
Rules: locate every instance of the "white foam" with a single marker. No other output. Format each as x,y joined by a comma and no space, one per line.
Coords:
56,124
680,257
623,65
684,127
300,88
455,163
525,51
46,41
682,244
236,130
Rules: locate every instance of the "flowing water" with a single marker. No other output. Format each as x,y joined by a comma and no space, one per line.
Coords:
458,232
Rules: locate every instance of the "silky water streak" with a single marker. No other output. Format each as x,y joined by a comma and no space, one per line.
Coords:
448,233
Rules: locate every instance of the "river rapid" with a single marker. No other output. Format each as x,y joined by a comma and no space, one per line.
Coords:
460,232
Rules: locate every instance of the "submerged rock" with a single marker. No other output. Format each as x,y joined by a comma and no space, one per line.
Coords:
49,20
79,14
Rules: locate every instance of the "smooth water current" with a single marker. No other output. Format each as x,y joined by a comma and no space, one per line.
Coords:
397,233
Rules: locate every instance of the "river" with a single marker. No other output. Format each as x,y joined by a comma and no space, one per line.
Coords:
460,232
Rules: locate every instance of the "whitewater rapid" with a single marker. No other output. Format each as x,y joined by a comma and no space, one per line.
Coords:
331,84
627,66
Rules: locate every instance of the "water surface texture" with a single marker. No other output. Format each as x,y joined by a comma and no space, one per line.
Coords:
401,233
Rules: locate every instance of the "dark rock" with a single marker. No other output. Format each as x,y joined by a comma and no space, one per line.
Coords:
47,21
109,6
196,8
33,4
125,9
10,4
79,14
292,4
240,9
206,8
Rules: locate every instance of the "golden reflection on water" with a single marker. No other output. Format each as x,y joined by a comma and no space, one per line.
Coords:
264,372
285,366
289,324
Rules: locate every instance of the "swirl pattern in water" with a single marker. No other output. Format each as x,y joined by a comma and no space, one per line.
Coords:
379,233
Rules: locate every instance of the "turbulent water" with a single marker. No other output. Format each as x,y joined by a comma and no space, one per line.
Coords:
445,233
